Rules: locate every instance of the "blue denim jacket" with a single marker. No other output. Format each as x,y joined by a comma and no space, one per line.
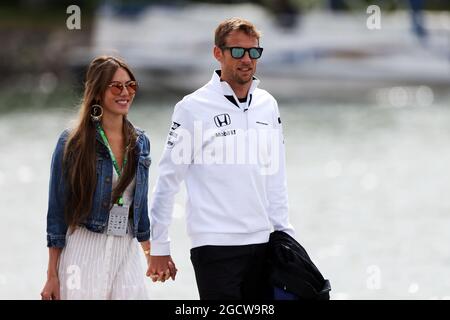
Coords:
98,218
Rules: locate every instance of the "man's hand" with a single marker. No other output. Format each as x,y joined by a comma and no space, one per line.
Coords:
161,268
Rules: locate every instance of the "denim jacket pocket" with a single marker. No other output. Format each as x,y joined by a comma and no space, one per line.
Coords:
146,161
143,169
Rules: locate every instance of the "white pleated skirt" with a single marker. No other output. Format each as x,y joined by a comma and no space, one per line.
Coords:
101,267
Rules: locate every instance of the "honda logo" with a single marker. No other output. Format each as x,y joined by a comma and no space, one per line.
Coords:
222,120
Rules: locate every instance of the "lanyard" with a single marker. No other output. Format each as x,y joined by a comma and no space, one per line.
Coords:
113,158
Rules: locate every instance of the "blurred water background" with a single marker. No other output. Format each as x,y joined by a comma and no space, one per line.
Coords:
366,118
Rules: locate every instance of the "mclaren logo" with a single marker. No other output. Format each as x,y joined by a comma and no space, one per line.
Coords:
222,120
175,125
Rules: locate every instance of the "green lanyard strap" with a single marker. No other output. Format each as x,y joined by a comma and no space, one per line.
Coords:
113,158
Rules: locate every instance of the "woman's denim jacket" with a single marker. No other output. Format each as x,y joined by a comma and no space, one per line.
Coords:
98,218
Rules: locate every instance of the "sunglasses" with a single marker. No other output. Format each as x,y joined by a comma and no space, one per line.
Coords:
117,87
239,52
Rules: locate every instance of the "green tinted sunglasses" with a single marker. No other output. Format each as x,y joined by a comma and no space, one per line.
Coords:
239,52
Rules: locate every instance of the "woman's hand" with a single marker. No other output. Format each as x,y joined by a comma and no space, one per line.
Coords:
161,268
51,289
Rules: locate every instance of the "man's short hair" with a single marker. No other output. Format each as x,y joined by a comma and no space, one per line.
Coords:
234,24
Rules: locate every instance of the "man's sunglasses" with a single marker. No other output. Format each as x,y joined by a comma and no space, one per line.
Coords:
117,87
239,52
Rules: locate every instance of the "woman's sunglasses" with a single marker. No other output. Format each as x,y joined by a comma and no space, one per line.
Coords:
117,87
239,52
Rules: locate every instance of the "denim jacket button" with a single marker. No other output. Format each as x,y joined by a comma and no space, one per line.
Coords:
105,204
108,179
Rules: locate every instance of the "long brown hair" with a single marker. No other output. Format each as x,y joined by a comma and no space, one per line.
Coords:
80,156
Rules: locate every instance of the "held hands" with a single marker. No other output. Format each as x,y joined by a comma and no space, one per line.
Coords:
161,268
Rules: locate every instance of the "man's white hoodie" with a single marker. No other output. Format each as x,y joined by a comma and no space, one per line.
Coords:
231,156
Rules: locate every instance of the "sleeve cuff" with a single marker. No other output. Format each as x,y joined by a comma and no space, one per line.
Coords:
58,241
289,230
160,248
143,236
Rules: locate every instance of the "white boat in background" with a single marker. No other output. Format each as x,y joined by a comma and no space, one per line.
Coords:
326,54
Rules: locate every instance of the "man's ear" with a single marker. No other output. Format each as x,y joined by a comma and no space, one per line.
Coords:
218,54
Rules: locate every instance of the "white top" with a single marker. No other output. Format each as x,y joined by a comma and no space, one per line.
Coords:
233,199
128,194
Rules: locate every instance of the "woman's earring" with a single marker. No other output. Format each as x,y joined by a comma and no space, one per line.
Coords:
96,112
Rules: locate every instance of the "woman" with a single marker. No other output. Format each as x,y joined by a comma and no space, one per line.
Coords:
98,195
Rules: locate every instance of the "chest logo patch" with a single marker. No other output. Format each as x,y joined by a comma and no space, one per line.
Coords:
222,120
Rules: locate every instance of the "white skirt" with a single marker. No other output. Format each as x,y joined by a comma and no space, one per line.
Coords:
98,266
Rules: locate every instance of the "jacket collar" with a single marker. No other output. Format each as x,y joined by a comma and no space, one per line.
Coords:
225,89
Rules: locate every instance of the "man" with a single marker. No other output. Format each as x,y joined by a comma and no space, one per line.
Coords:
226,143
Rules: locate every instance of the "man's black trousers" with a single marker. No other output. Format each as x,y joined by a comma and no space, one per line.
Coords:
232,272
